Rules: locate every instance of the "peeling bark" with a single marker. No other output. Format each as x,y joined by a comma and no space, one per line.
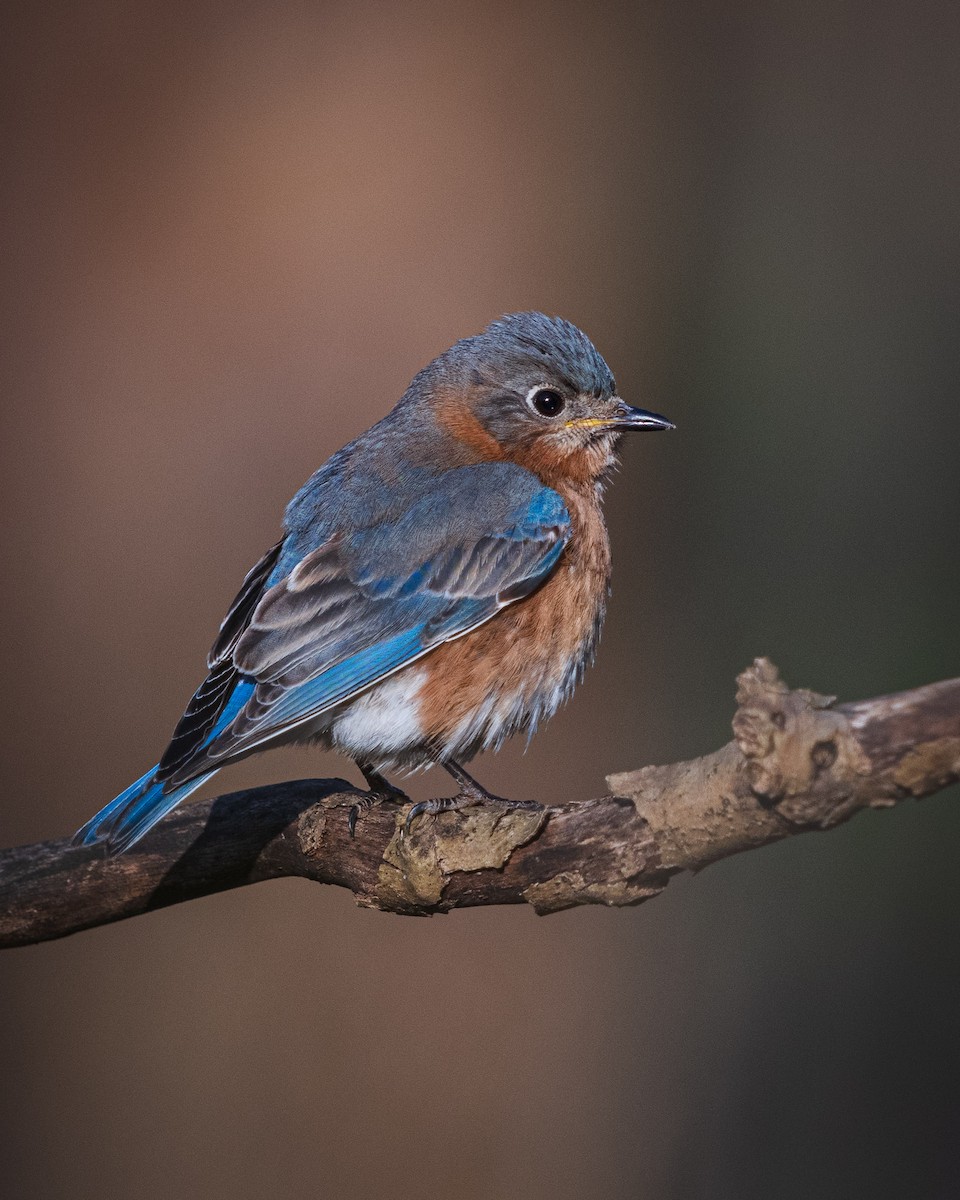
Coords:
798,762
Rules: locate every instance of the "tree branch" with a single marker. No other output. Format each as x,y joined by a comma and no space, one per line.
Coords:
798,762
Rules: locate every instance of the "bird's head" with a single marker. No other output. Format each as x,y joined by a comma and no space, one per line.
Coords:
534,390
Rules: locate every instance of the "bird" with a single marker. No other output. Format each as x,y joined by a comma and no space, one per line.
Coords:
439,585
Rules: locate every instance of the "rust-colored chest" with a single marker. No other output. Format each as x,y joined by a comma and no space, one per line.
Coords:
520,665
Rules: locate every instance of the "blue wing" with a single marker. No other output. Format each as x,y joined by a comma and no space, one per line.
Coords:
366,604
306,635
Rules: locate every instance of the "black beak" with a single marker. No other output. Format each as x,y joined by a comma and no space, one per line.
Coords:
639,418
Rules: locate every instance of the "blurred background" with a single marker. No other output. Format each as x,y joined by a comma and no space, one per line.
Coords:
232,233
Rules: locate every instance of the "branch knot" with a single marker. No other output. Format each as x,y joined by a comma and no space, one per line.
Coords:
801,756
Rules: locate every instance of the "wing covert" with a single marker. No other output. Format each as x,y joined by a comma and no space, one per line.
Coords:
362,606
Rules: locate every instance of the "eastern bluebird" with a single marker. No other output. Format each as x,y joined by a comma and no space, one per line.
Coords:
439,585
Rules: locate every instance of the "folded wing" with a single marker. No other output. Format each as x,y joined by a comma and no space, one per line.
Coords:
367,603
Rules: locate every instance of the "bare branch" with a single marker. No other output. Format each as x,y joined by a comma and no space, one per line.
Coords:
798,762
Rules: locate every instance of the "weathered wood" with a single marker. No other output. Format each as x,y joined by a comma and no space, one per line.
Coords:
798,762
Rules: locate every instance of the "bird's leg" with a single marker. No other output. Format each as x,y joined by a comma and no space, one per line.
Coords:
471,793
381,791
469,787
380,786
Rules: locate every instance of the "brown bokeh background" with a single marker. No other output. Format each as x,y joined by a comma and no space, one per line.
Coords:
232,232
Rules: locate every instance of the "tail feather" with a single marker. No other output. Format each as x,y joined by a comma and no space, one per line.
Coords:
97,827
127,818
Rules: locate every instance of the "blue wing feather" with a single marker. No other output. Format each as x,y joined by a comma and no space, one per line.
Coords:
333,622
401,614
348,677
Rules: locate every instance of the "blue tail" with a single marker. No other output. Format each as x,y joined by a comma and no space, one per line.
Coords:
125,820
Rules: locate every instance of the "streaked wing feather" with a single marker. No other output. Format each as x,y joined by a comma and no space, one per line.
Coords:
336,624
240,611
208,702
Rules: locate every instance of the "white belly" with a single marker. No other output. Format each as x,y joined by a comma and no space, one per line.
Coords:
383,723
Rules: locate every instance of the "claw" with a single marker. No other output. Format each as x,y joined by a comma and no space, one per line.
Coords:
467,800
441,804
361,805
415,811
352,819
391,795
471,795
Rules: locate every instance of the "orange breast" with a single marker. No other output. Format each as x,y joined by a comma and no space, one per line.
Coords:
521,664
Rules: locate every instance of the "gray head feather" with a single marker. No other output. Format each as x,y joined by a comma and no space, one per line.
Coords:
520,343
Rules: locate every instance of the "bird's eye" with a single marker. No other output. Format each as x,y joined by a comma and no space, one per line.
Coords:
547,402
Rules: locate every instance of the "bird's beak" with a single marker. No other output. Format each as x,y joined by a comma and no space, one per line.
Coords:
626,418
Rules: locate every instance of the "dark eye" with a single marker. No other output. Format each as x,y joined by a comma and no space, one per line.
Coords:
547,402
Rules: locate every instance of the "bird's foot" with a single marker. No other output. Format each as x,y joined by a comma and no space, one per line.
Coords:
471,795
382,791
